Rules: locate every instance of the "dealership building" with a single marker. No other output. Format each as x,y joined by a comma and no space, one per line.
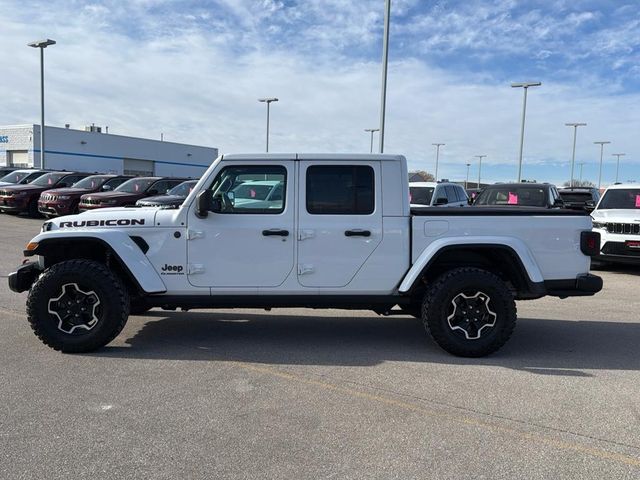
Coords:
94,150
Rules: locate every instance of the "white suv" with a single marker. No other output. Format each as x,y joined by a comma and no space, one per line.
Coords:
433,194
617,219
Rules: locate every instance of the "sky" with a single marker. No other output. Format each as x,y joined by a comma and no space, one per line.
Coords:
193,70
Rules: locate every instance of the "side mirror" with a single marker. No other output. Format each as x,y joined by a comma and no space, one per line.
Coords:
441,201
559,203
590,203
107,188
204,204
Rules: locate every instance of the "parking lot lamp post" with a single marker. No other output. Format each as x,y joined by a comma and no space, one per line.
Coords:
385,62
573,155
268,102
581,165
42,44
479,157
466,182
602,144
525,86
437,145
371,131
618,163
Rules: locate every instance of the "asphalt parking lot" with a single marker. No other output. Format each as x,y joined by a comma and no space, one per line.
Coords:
323,394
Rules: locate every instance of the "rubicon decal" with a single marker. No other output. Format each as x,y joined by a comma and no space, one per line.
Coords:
123,222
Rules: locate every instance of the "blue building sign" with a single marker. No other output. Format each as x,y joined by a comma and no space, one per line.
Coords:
4,139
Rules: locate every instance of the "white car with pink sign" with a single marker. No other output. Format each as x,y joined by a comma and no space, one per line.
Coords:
543,195
617,219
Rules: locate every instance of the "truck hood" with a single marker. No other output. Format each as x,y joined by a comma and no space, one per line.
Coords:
66,191
112,195
26,188
105,218
617,215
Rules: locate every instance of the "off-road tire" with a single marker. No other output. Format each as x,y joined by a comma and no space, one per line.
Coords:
438,306
89,275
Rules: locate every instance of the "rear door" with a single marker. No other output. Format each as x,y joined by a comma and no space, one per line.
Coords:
340,220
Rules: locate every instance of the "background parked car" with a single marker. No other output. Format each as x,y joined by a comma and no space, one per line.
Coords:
5,170
580,198
173,197
128,193
543,195
24,198
617,219
432,194
64,201
21,177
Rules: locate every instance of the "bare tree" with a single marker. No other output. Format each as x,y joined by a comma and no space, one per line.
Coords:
425,176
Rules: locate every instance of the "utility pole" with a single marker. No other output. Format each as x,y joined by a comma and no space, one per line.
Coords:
371,130
525,86
437,145
618,163
602,144
479,157
466,182
573,155
42,44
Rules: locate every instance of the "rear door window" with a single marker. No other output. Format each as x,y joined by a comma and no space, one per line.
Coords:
340,190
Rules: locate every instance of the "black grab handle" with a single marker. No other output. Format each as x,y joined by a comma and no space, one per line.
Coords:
274,232
357,233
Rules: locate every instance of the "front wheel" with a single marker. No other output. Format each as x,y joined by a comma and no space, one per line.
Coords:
77,306
469,312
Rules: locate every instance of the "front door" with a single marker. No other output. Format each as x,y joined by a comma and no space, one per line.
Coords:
250,243
340,220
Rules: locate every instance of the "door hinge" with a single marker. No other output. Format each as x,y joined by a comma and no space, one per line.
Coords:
194,268
304,234
304,268
191,234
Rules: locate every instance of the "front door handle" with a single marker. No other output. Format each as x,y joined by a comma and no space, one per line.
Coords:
357,233
274,232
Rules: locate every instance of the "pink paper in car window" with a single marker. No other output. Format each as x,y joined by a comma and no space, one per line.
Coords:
253,193
637,201
513,199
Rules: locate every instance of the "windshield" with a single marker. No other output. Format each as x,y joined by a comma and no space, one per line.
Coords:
136,185
48,179
182,190
252,190
15,177
420,195
576,196
529,197
91,183
624,198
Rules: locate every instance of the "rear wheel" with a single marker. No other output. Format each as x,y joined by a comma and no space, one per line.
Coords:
469,312
77,306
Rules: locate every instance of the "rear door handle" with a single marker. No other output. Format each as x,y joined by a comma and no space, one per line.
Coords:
274,232
357,233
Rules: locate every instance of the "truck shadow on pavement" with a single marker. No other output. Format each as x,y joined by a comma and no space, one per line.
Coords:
545,347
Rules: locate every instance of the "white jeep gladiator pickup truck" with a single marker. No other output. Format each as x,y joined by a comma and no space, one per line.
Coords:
338,233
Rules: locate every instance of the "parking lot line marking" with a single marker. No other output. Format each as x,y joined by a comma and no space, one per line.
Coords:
559,444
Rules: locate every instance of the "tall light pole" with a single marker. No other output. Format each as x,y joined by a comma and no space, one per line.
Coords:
581,165
385,61
466,182
42,44
437,145
618,163
479,157
525,86
602,144
371,130
268,102
573,155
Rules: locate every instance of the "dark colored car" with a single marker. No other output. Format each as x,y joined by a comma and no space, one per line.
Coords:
128,193
21,177
64,201
580,198
24,198
172,199
543,195
6,170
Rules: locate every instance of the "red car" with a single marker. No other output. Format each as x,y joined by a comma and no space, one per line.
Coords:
64,201
24,198
128,193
